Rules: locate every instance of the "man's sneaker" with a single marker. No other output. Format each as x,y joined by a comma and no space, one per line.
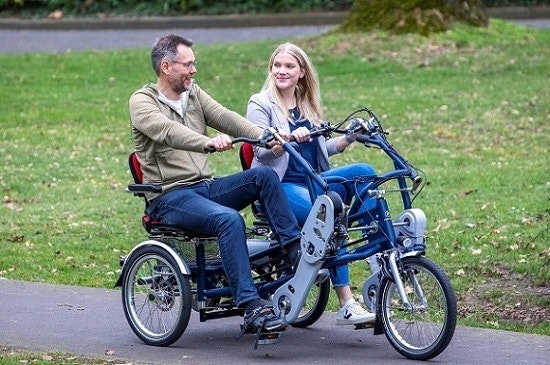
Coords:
353,313
256,314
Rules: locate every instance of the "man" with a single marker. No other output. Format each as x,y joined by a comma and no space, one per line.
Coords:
169,129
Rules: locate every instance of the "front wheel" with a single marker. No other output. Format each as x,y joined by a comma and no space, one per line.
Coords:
156,296
426,328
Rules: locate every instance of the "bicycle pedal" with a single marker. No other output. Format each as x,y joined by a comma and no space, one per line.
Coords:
268,338
364,326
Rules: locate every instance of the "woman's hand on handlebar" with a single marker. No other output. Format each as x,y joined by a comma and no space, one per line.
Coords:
301,135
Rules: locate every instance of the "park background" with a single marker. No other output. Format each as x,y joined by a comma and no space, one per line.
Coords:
114,8
470,106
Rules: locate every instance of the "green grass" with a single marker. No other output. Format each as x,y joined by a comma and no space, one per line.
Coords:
10,356
470,107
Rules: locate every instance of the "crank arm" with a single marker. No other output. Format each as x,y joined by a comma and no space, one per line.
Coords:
289,299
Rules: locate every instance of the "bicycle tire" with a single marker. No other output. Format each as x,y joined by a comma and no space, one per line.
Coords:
156,296
425,330
314,306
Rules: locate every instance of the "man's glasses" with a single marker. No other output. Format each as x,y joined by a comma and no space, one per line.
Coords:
187,65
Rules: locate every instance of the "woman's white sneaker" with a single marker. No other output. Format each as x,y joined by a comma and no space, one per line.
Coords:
354,313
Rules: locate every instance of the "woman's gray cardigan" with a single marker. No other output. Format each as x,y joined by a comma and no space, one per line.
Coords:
263,110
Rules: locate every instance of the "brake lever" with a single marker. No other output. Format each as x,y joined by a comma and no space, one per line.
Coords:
324,130
267,136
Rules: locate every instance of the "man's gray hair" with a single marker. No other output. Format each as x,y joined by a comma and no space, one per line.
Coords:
166,48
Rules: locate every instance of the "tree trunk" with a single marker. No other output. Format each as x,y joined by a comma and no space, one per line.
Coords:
413,16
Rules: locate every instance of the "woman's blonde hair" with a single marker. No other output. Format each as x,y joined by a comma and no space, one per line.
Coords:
308,95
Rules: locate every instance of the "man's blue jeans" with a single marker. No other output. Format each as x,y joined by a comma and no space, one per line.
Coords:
212,207
300,201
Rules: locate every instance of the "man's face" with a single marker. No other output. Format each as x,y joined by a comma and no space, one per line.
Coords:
182,69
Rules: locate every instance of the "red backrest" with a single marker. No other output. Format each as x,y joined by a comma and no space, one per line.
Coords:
135,168
246,154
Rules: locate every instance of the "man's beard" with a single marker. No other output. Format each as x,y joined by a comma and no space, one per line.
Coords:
180,87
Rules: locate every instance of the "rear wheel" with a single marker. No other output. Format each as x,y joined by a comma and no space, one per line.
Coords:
315,305
156,296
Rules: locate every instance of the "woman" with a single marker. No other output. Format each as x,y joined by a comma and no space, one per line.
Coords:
290,101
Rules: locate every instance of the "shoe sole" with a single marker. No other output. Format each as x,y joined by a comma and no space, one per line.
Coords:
343,322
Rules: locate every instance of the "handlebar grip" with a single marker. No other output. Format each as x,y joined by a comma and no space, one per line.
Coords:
325,130
266,137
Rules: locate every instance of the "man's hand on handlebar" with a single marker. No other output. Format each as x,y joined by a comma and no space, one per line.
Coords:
219,143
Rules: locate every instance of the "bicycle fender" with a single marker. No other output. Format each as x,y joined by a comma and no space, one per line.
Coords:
411,254
182,265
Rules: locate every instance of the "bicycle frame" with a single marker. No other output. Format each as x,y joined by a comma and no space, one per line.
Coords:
380,236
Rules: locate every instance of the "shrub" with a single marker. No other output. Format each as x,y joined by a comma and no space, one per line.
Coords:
188,7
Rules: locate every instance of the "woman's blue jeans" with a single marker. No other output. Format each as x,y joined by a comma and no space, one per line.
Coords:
212,207
300,201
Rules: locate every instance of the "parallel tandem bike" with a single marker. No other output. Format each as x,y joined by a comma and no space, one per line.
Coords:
176,271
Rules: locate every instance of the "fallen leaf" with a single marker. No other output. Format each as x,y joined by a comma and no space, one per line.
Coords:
56,15
465,193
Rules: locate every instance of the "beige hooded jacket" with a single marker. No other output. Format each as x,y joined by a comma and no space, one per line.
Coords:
171,148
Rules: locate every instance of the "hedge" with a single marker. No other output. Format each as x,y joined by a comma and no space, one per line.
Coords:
192,7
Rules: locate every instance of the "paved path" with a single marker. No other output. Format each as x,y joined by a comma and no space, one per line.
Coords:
48,37
91,322
61,41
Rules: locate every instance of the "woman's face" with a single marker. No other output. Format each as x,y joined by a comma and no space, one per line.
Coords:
286,71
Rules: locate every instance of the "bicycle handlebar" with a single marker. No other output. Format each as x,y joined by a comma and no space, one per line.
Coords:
367,131
263,141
